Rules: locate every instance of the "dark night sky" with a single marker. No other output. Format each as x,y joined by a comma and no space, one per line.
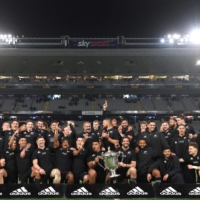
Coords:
95,18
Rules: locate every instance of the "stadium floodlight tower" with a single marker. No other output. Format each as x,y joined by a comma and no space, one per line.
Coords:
8,38
190,39
195,36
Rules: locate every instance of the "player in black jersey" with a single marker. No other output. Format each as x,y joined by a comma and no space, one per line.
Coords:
173,126
43,168
127,131
79,164
3,173
145,157
8,133
39,129
193,163
8,161
110,135
96,128
126,161
5,127
189,129
29,134
166,169
23,158
96,172
88,136
63,159
69,134
50,140
164,128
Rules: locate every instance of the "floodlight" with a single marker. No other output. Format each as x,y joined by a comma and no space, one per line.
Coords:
176,36
171,41
162,40
198,63
169,36
195,36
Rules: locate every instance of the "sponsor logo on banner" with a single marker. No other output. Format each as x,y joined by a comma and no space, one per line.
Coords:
21,191
48,191
137,191
81,191
170,191
195,191
109,191
83,44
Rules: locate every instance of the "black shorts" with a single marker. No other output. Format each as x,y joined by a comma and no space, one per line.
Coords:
123,174
23,178
47,177
12,177
101,177
63,176
79,176
142,178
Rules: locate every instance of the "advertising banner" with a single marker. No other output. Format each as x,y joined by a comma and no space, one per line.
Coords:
110,191
93,43
32,191
170,190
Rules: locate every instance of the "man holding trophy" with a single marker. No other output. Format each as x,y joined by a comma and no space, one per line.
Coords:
126,162
96,172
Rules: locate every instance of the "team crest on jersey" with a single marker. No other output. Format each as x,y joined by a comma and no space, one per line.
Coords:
128,152
155,136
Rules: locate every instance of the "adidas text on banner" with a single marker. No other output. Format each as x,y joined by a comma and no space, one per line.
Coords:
137,191
48,191
81,191
21,191
170,191
109,191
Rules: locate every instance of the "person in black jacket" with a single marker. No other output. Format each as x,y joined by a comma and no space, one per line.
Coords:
153,138
164,128
145,157
126,131
179,146
166,169
193,163
189,129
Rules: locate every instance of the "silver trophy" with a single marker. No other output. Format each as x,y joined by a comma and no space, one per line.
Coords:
110,159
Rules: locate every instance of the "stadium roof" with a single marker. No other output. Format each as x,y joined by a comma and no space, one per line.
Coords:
137,61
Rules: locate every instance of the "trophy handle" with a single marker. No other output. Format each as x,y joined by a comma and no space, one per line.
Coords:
119,154
101,157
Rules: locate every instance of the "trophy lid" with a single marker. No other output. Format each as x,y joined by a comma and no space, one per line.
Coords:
110,153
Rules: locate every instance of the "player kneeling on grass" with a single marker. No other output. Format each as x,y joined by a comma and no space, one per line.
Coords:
193,163
166,169
42,168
